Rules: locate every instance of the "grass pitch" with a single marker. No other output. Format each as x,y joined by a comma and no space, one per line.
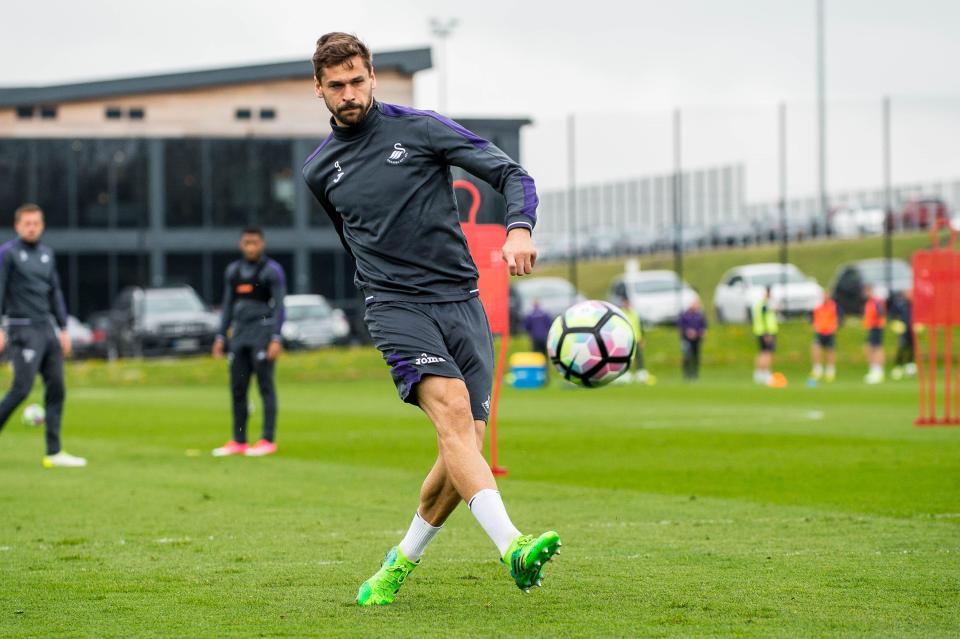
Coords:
709,510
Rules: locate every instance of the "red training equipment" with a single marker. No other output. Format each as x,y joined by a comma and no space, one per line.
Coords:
936,315
486,245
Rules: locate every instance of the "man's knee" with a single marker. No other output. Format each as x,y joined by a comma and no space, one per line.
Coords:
54,390
447,402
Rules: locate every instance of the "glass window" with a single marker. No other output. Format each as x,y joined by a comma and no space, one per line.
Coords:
53,175
93,183
94,284
185,268
130,174
113,113
133,269
14,177
25,112
252,182
48,112
182,160
243,114
136,113
268,114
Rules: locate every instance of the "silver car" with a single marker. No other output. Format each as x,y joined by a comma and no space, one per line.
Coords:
311,322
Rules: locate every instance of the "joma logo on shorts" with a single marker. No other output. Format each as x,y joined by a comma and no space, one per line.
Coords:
428,359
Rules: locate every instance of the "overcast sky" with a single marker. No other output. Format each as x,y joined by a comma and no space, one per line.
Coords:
544,59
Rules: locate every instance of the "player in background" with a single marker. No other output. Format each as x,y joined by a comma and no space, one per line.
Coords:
383,177
765,328
901,312
640,375
537,324
826,322
31,300
253,292
693,328
874,320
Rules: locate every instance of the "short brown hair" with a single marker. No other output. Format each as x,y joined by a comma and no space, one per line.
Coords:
26,207
336,48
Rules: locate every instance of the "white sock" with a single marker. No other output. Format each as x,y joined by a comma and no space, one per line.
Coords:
831,370
489,510
418,536
817,370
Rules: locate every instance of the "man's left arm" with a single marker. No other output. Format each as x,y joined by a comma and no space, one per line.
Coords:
459,147
59,308
278,291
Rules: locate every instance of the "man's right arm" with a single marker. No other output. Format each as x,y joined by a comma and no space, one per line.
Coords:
226,311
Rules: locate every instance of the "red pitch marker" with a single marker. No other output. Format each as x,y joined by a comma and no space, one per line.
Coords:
936,314
486,243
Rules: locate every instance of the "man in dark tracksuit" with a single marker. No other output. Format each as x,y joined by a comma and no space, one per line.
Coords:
383,177
31,299
253,292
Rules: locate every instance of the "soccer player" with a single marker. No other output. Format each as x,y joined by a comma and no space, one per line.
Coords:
765,328
537,324
902,309
32,301
383,177
826,321
642,375
693,328
874,320
253,292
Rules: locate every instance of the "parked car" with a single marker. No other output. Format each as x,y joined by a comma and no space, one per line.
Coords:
733,234
920,212
855,220
657,297
791,292
81,338
311,322
160,321
554,294
849,280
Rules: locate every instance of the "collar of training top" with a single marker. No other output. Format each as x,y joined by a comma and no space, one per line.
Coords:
359,130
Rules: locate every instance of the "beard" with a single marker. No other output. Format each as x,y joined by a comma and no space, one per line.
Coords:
351,113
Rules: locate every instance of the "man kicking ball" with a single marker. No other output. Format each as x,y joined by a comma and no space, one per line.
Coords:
383,177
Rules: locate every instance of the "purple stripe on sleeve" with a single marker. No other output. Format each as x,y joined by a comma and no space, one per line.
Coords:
318,149
393,110
530,199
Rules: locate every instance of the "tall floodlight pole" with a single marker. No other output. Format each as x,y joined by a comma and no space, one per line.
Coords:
784,235
441,29
822,119
887,198
572,196
677,209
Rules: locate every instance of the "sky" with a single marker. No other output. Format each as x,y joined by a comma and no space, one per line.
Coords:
620,67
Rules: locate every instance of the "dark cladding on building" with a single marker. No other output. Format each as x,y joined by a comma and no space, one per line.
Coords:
147,181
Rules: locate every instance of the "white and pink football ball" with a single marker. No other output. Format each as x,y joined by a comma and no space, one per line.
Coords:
591,343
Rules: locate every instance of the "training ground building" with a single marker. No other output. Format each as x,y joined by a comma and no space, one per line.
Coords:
148,180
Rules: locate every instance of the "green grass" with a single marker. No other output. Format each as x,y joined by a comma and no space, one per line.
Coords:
710,510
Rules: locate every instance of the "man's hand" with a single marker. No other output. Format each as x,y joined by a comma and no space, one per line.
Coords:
519,252
3,340
217,350
65,344
274,350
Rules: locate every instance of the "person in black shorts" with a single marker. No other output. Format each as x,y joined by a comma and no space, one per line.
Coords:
253,292
32,301
383,177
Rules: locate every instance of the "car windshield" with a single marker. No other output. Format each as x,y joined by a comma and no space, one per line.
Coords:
777,277
874,272
166,302
655,285
300,312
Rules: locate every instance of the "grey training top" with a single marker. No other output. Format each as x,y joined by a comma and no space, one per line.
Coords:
253,295
386,185
29,285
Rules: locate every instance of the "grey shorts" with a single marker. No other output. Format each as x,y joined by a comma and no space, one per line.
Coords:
448,339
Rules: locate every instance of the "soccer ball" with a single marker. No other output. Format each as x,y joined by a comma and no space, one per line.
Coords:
591,343
34,415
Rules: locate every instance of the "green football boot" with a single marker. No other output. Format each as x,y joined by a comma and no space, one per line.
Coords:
380,589
527,555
